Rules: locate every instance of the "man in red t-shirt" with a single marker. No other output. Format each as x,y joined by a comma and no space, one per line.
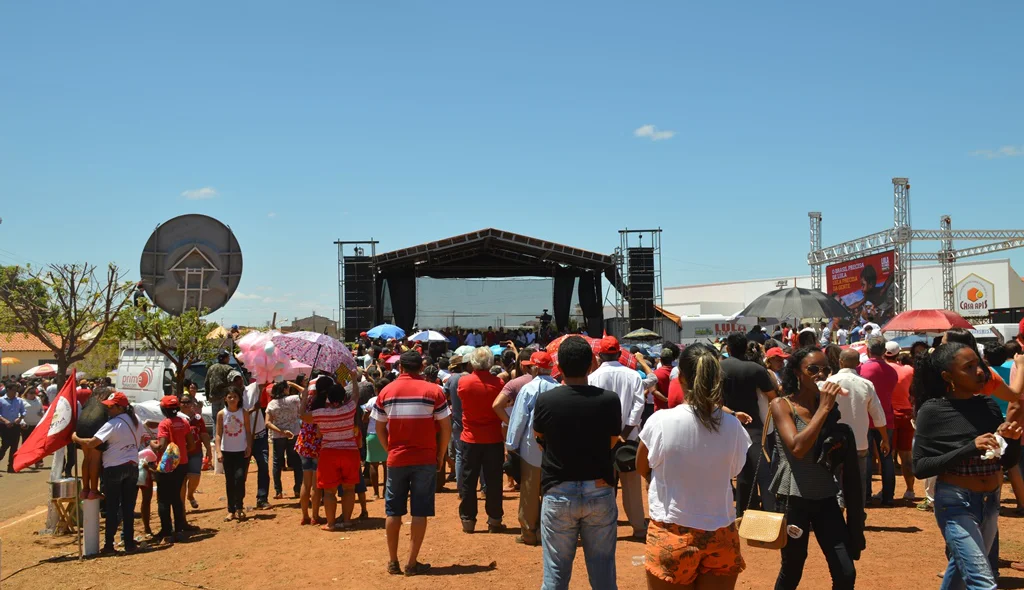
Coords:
406,412
482,441
664,373
902,439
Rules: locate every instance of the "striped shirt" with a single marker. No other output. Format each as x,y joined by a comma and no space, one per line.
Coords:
410,407
337,425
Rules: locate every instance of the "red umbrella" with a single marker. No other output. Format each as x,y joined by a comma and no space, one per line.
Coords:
927,320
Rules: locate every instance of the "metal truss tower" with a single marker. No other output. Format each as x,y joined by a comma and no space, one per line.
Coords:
900,238
815,217
901,231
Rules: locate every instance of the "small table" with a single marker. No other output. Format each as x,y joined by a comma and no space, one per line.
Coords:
67,516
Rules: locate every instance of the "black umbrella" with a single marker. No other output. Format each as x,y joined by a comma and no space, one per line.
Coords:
795,303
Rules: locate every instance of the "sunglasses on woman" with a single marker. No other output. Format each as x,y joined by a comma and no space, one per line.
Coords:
817,369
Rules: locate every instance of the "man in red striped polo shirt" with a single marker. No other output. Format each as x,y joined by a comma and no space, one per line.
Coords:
406,412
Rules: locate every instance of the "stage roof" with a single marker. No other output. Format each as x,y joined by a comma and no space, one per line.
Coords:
493,253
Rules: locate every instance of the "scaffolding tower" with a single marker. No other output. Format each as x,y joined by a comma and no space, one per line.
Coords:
640,267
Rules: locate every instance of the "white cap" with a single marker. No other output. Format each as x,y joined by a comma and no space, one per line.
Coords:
892,348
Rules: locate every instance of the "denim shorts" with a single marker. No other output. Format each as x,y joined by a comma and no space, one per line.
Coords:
309,463
195,463
418,480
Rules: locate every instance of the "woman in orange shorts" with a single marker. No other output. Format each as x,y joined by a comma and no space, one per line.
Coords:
338,464
692,541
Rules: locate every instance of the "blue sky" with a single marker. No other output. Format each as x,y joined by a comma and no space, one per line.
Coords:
412,121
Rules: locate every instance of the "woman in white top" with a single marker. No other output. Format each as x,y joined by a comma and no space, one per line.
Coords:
692,541
120,468
234,443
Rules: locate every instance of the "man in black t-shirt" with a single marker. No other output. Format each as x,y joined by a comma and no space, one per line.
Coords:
742,381
577,425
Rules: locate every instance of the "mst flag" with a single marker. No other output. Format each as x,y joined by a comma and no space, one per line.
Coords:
54,430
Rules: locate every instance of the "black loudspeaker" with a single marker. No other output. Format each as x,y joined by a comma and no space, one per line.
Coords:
359,288
641,288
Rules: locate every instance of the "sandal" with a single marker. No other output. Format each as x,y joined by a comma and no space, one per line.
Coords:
240,515
328,528
416,569
394,569
279,496
305,521
229,518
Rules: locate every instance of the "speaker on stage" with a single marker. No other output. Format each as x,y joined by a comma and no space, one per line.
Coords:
641,288
359,296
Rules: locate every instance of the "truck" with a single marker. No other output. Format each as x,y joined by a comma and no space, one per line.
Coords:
709,328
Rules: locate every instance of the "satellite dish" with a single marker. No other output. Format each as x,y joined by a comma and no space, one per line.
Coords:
191,262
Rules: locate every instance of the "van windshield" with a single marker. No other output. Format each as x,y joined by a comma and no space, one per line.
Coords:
197,374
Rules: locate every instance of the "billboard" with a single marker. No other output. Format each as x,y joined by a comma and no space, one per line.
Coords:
863,287
975,296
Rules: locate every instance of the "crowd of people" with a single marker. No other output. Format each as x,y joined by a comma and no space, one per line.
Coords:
799,422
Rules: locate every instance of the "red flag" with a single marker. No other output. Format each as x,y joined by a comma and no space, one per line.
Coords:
54,430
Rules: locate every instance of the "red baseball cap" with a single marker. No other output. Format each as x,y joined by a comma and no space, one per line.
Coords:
541,360
170,401
608,345
362,334
1020,332
776,352
118,399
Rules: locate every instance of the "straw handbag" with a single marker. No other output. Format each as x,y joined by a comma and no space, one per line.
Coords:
761,528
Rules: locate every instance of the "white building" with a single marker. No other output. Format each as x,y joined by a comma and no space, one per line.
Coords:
980,286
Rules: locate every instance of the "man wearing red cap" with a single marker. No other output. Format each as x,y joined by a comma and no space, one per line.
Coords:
520,440
627,384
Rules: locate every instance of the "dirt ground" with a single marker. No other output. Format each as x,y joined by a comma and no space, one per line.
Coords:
271,550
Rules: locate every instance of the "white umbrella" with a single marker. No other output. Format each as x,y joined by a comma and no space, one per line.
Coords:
428,336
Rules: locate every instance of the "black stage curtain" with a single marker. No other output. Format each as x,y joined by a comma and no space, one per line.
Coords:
403,298
590,303
565,279
378,308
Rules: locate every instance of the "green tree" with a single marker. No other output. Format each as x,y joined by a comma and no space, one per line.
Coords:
182,339
103,357
69,307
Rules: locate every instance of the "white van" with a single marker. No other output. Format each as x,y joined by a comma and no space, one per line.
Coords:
146,375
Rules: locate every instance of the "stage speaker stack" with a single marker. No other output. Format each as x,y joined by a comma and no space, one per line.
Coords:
641,288
358,296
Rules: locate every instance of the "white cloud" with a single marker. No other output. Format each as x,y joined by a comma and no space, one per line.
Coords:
240,295
651,132
272,214
200,194
264,288
1006,151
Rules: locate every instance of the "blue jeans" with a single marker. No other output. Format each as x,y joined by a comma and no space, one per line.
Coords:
969,522
261,452
888,467
572,510
456,447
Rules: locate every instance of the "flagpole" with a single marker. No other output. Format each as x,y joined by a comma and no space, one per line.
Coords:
78,502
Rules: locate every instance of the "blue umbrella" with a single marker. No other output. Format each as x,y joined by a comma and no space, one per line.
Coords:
386,331
497,349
